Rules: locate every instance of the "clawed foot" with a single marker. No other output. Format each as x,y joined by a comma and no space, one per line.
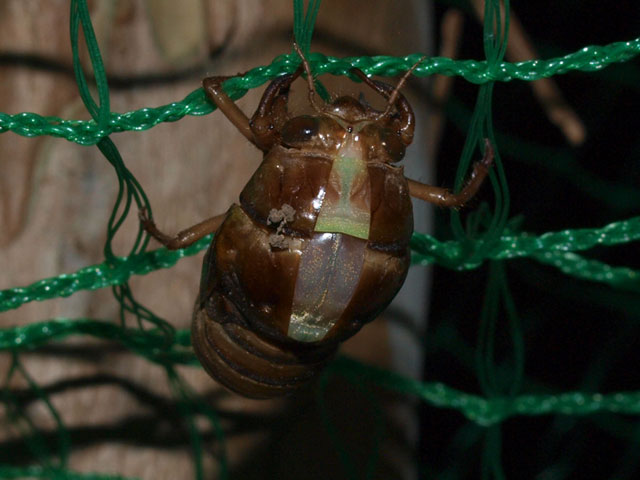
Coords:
146,221
482,167
150,227
487,159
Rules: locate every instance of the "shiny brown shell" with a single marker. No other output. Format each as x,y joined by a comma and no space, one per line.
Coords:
317,247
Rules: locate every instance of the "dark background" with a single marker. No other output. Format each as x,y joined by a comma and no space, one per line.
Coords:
577,335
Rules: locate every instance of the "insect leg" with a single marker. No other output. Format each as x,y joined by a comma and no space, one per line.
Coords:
213,88
185,237
396,91
405,123
312,91
371,83
272,114
445,198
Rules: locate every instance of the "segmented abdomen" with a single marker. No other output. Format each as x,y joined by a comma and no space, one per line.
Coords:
286,285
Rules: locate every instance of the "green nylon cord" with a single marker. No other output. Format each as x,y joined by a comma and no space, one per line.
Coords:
304,22
483,411
552,248
88,132
489,411
129,192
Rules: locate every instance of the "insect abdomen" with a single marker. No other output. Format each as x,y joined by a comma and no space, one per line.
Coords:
270,314
248,364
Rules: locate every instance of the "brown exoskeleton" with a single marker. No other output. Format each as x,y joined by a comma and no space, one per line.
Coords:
319,244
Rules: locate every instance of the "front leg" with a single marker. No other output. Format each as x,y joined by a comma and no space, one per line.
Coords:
213,88
444,197
185,237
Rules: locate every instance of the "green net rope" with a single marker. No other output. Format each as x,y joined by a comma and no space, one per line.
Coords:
88,132
554,248
484,411
492,238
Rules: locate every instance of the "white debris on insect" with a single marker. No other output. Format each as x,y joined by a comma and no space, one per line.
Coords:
281,217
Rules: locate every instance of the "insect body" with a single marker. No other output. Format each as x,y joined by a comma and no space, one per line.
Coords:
319,243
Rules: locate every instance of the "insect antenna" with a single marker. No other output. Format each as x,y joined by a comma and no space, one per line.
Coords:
396,91
312,92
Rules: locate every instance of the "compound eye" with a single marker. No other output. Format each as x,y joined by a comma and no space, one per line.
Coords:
299,130
392,144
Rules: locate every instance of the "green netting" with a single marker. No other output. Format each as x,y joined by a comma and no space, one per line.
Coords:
488,236
588,59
